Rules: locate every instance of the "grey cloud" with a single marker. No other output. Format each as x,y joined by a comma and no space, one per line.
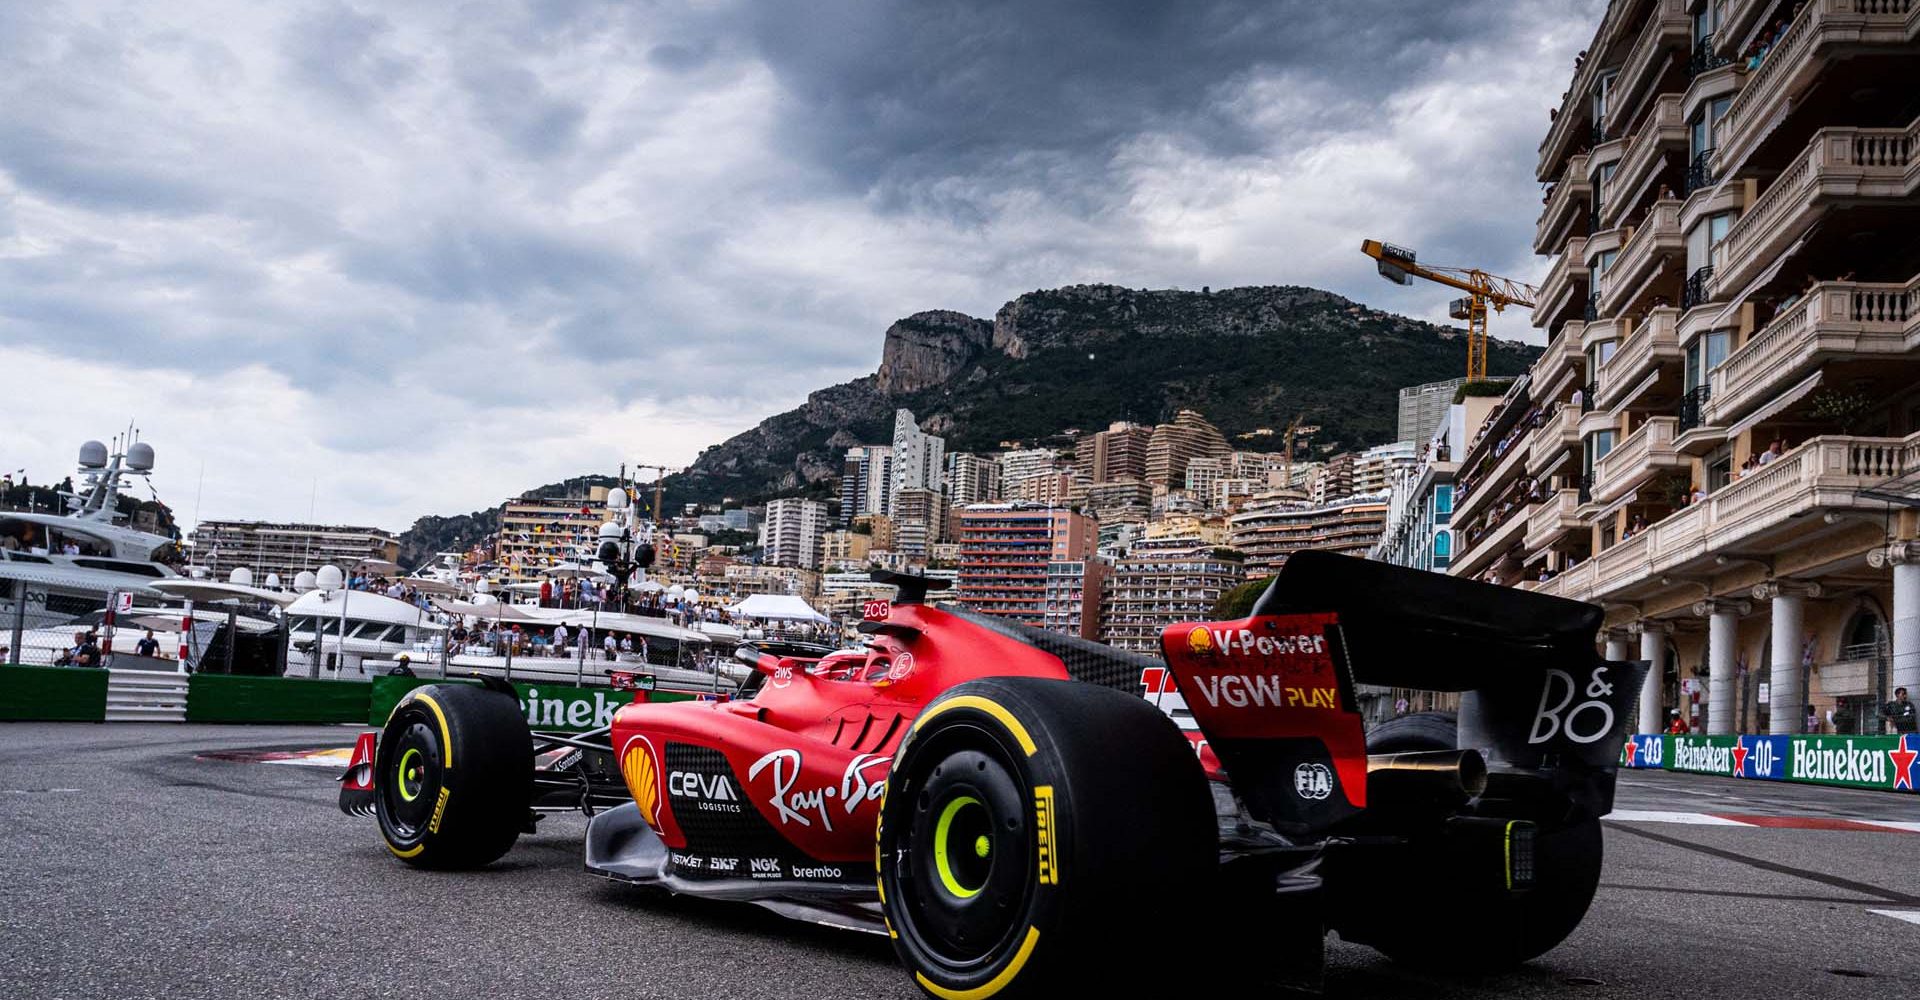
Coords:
345,54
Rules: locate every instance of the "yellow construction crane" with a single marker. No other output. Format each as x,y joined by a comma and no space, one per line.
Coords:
661,472
1397,265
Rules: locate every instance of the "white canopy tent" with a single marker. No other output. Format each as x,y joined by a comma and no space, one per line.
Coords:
778,607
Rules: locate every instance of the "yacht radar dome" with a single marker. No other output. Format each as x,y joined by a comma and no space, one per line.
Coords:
273,581
140,457
241,575
617,499
329,578
93,455
304,581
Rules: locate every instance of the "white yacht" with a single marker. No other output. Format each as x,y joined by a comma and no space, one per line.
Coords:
57,567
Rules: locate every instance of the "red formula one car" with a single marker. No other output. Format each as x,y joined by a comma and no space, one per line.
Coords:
1011,805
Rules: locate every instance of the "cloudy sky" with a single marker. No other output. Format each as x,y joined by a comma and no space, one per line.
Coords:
380,259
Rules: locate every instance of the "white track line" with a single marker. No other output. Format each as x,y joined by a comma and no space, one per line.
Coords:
1910,916
1657,816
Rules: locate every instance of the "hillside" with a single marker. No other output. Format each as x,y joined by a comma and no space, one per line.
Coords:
1086,355
1079,357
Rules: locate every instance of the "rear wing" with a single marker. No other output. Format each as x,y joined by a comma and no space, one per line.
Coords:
1537,696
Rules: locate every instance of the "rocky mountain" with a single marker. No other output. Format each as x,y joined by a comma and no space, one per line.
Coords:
1083,356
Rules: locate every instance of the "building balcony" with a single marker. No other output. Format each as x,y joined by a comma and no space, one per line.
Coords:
1552,440
1561,360
1835,321
1549,522
1646,451
1571,199
1824,32
1639,358
1501,470
1477,547
1661,134
1841,166
1759,512
1655,243
1574,583
1664,40
1565,285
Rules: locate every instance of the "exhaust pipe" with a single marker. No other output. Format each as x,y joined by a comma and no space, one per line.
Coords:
1445,778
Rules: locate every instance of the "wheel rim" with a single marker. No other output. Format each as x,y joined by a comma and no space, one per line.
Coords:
965,854
410,786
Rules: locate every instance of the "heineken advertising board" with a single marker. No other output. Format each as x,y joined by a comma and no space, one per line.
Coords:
550,707
1886,763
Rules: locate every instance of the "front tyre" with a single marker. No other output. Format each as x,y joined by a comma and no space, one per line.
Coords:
1032,826
453,776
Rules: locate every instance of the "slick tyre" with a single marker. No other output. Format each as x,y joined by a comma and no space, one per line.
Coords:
453,776
1031,828
1494,932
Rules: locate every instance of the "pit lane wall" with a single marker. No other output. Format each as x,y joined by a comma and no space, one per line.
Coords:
1879,763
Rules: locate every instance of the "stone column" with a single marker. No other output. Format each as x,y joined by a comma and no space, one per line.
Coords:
1653,649
1723,623
1619,644
1904,558
1787,703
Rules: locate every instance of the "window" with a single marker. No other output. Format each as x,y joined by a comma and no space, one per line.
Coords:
1599,443
1598,354
1719,468
1706,235
1704,354
1443,499
1705,21
1603,262
1443,547
1602,97
1600,185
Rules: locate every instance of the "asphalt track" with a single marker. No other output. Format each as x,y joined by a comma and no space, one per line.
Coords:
131,867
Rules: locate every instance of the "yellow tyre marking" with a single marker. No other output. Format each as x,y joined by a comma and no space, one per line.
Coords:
409,852
990,707
994,985
446,741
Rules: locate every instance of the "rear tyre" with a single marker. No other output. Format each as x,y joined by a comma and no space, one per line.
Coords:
1031,828
453,776
1494,932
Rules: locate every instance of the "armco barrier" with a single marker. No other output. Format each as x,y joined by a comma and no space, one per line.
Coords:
554,707
1882,763
231,698
52,694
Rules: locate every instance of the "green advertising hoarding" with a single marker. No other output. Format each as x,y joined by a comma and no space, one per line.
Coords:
552,707
1879,763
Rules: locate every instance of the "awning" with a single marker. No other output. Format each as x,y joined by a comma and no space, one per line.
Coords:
1614,507
1779,404
1773,270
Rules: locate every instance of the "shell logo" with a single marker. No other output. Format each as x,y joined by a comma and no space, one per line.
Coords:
1200,641
643,779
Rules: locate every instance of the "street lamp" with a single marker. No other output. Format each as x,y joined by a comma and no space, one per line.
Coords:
625,545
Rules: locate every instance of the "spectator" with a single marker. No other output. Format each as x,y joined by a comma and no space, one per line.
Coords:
1677,726
1900,712
148,645
612,649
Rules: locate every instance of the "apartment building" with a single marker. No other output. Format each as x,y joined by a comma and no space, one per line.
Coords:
1018,466
1005,551
1720,443
1152,588
1278,523
1420,496
1423,408
1074,592
791,534
972,479
1119,452
286,549
866,481
537,532
1173,445
918,458
919,520
844,548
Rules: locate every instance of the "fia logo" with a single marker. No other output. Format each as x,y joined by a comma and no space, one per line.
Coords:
1313,781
